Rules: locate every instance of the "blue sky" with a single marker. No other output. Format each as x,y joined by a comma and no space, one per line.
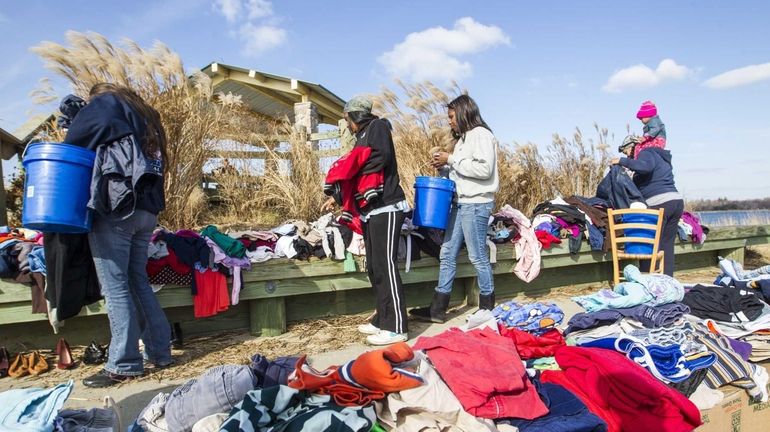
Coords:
535,68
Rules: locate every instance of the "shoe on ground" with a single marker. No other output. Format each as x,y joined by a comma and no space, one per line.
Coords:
159,366
386,337
105,379
368,329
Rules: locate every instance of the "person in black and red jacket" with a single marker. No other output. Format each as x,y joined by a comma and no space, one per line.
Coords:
381,217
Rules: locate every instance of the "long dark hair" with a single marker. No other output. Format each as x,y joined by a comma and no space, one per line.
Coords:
154,139
361,118
467,114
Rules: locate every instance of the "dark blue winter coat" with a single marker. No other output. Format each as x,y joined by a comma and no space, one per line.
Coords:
653,174
124,178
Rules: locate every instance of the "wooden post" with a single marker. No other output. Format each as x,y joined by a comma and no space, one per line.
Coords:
267,317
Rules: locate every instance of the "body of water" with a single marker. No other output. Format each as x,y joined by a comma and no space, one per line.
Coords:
734,217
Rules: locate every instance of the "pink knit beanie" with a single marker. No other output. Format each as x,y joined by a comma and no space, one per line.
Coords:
648,109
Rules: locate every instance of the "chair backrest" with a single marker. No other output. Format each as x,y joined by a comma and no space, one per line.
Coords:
615,227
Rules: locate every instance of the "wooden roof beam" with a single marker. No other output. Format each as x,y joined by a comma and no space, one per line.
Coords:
256,75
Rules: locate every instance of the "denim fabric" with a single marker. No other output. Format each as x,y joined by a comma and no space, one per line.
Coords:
32,409
595,237
37,260
93,420
467,223
218,390
272,373
120,255
536,318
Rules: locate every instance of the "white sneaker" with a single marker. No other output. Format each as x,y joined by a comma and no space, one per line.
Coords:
386,337
368,329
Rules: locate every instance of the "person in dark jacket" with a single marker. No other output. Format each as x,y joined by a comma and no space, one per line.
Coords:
126,196
382,221
654,176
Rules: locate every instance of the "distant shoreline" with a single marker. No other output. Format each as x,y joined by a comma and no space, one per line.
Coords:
734,217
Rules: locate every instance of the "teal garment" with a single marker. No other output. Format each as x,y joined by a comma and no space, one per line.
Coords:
32,409
639,288
655,128
662,288
232,247
625,294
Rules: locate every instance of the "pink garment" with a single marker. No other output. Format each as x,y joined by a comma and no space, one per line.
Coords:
649,142
484,371
573,229
235,264
648,109
697,229
527,245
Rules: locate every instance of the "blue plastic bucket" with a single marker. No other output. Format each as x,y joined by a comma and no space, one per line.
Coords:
432,201
640,248
57,188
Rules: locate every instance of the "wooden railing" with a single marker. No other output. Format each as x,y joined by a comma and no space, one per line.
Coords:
284,290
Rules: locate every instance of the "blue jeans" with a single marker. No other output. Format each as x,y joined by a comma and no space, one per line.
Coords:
120,255
468,223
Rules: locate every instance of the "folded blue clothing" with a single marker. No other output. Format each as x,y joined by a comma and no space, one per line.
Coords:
649,316
667,363
702,362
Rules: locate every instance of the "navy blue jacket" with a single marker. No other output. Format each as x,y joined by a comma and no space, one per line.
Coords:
124,178
653,174
618,189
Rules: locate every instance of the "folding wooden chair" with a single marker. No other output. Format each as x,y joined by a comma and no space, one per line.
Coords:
616,240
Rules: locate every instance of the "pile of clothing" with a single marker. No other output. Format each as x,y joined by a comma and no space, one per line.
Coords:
37,409
22,259
573,219
736,306
640,367
504,370
695,339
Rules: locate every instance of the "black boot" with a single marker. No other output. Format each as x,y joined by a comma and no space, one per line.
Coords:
436,312
487,301
176,336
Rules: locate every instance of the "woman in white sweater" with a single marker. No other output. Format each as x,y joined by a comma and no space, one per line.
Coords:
473,167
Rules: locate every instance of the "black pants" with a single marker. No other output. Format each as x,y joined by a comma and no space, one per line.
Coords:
381,234
672,212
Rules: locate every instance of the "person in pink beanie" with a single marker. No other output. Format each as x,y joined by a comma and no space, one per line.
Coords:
654,129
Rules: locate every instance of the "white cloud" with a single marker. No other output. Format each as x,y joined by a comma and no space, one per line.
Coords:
259,39
642,76
258,32
252,9
230,9
434,53
740,77
259,9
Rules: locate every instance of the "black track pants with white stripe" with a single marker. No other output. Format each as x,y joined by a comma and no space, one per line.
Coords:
381,234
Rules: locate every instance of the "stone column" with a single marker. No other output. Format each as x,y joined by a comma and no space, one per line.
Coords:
306,117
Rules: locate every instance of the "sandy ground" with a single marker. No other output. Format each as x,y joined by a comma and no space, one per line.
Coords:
327,342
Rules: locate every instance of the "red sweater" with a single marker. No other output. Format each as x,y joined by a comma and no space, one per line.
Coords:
353,190
484,372
622,393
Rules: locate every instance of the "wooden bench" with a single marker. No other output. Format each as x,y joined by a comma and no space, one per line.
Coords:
284,290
